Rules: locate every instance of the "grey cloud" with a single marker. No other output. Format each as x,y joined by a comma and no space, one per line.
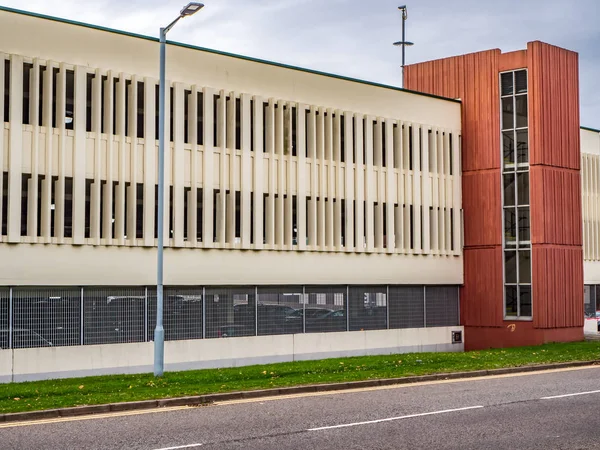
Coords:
354,38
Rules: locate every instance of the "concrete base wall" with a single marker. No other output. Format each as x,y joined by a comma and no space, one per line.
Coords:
68,362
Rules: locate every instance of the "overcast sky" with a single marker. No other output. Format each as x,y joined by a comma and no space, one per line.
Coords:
353,37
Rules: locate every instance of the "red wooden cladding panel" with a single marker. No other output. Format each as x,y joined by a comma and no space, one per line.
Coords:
513,60
481,295
474,79
557,275
553,106
482,209
556,215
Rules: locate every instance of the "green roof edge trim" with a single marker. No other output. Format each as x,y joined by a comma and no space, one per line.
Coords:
222,53
590,129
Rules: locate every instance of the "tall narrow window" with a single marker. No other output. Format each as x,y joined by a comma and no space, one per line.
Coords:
515,184
186,124
24,201
27,69
200,119
88,101
68,207
6,90
140,109
139,211
88,207
4,203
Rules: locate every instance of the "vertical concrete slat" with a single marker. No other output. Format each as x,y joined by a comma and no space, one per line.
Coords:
208,168
390,182
270,145
369,194
425,189
233,183
379,187
192,209
322,180
59,197
399,180
329,239
339,188
246,172
446,194
224,176
441,193
435,188
457,194
107,194
287,169
279,150
150,160
49,169
79,155
407,182
417,180
131,212
120,133
95,199
34,115
177,171
3,59
349,179
258,180
15,148
301,175
168,208
359,185
311,151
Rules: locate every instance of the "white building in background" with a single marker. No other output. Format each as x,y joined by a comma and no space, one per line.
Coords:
285,187
590,188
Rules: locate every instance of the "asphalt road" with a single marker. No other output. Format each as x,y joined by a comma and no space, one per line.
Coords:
507,412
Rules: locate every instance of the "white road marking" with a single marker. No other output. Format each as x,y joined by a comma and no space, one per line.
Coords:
390,419
180,446
570,395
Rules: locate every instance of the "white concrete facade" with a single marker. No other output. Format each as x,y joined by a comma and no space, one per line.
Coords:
273,173
67,362
590,189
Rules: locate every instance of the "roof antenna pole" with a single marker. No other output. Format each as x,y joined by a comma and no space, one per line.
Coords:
403,43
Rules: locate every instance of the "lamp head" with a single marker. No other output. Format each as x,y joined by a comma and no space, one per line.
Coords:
191,9
400,43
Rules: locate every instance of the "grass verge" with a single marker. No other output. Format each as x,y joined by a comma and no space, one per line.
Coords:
39,395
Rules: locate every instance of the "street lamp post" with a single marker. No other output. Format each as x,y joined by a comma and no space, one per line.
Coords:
403,43
159,331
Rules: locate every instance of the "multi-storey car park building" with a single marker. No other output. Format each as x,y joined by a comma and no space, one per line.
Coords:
307,215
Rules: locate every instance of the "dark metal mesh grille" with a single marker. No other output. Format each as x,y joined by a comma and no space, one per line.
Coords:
4,318
325,309
407,307
182,313
368,307
44,317
441,306
278,309
230,312
113,316
54,316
